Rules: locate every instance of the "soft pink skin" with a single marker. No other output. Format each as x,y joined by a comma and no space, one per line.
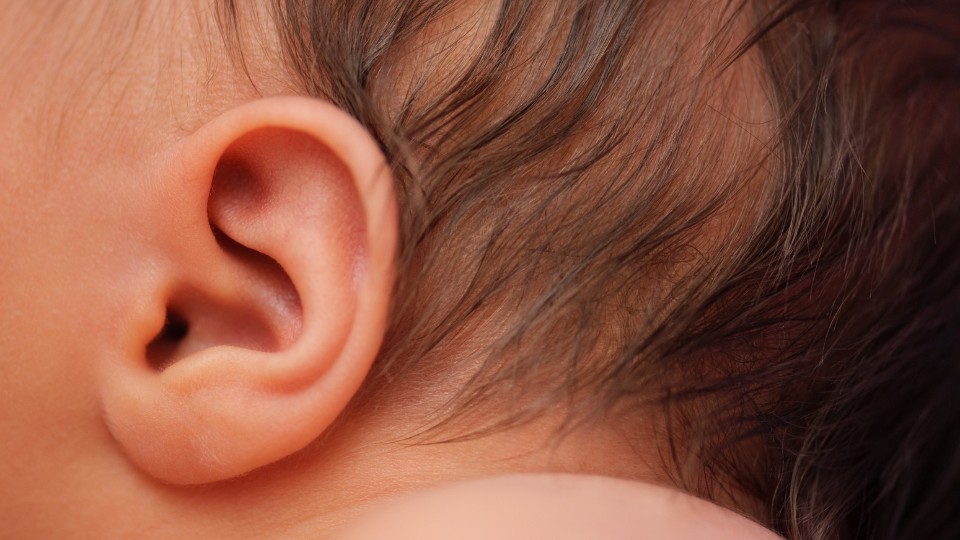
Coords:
113,115
553,507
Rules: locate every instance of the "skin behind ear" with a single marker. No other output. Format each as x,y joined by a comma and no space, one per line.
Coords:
275,235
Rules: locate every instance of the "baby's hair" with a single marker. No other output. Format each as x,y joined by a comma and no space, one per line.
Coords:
742,213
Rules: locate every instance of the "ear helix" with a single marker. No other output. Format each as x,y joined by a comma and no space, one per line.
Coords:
272,304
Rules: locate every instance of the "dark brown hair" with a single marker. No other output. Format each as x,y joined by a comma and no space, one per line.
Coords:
587,209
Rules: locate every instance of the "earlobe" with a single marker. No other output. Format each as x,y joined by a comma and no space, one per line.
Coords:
272,300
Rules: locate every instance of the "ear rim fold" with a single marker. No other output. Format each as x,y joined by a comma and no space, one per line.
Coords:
218,422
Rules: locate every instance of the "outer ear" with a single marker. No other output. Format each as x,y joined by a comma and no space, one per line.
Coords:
275,231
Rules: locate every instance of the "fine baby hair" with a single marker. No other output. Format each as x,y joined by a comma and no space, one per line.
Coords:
742,211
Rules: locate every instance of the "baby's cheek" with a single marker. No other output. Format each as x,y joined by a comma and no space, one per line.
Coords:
71,253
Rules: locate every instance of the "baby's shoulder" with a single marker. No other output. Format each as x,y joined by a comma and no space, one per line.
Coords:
555,507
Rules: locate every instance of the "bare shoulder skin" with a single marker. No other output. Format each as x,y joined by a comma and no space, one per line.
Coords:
555,506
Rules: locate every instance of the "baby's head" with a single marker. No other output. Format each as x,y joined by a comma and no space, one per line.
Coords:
267,263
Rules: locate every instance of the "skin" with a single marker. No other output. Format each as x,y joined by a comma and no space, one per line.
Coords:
116,118
556,507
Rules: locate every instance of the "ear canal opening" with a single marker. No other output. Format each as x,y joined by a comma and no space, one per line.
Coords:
162,350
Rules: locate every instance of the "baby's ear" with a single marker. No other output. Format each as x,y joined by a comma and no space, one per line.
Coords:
269,303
